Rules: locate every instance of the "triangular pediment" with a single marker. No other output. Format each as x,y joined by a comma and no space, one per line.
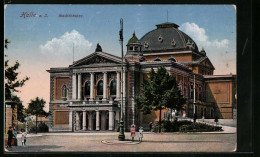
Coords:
97,58
206,62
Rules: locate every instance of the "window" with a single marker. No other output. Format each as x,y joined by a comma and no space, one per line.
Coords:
160,38
100,88
64,91
87,88
113,87
173,43
136,48
172,59
131,48
157,59
146,45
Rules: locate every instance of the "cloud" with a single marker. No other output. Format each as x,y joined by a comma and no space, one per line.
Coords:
200,36
64,44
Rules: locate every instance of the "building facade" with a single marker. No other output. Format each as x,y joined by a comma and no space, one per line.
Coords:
87,94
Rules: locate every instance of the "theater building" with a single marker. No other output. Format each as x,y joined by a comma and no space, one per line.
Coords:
86,95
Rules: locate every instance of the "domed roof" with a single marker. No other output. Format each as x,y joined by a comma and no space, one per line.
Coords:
167,36
134,39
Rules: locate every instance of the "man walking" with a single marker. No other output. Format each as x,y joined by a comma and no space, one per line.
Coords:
10,137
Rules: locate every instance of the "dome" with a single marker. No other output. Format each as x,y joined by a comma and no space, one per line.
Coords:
134,39
167,36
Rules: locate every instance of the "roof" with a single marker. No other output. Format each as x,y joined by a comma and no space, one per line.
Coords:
167,36
198,61
134,39
98,57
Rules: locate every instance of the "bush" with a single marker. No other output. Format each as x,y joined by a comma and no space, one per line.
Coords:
42,127
185,126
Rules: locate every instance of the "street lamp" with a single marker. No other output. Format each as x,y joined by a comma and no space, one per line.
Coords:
121,136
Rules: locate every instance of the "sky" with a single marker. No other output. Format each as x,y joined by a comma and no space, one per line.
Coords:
42,39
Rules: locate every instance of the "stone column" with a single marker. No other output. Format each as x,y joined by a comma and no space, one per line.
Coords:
70,120
111,120
74,86
84,120
90,121
79,86
77,120
97,120
91,86
118,85
104,86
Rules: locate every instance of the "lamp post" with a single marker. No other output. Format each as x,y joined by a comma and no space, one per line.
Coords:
194,102
121,136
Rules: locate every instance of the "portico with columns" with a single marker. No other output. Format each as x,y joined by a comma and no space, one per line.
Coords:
94,95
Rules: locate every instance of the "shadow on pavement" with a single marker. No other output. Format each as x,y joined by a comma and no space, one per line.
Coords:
177,141
29,148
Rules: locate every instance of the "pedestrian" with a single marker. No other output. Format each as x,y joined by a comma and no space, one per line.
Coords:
24,134
10,137
14,133
151,126
133,131
141,134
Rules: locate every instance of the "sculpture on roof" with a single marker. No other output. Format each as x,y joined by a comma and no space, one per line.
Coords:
98,48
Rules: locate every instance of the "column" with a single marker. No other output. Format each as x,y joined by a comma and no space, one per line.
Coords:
70,120
104,86
77,120
118,85
90,121
79,86
84,120
91,86
111,120
124,85
97,120
73,86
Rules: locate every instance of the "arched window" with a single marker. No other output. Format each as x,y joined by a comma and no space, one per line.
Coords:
113,87
87,88
100,88
172,59
64,91
157,59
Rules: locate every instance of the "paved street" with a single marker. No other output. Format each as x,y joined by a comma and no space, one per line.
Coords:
152,142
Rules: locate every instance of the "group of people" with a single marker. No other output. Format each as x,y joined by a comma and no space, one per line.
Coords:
140,134
12,134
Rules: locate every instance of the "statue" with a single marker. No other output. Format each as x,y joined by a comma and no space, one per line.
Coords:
98,48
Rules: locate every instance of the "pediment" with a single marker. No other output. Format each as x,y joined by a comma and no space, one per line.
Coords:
98,58
207,62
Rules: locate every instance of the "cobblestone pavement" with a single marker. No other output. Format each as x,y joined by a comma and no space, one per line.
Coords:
152,142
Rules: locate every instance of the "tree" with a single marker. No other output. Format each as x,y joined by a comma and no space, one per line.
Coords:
160,91
12,83
36,108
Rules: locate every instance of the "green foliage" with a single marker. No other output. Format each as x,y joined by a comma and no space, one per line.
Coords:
42,127
186,126
36,107
159,92
12,83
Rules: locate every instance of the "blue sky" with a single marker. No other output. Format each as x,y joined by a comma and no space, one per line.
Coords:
41,43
